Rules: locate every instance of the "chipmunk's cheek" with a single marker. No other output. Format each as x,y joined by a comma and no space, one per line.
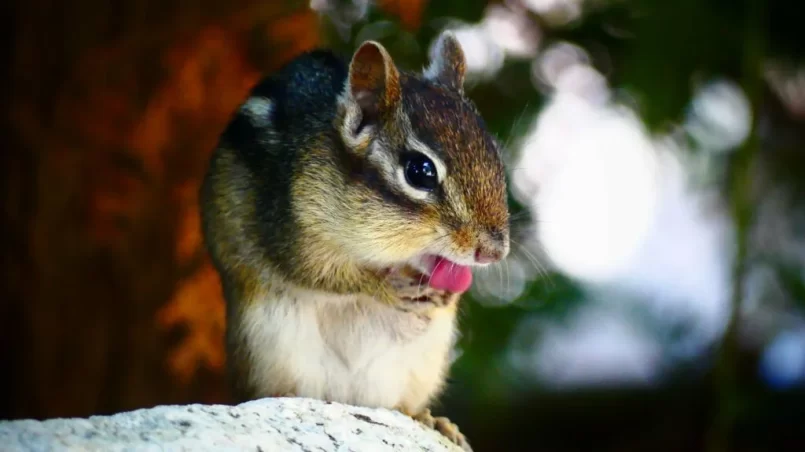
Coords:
429,217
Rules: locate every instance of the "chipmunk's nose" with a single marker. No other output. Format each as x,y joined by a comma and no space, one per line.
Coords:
491,248
487,255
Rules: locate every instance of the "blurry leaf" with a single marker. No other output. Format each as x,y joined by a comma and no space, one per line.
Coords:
674,43
508,103
376,31
409,12
486,332
467,10
400,43
552,295
785,30
791,279
605,32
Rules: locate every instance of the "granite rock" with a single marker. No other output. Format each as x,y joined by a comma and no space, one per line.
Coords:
278,424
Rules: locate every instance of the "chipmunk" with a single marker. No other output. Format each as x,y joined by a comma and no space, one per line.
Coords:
343,208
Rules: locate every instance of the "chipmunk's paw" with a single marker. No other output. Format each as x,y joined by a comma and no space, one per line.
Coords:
414,294
443,425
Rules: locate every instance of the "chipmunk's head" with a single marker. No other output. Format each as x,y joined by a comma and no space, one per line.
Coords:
428,184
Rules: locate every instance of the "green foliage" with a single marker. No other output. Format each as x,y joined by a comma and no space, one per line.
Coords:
656,51
676,44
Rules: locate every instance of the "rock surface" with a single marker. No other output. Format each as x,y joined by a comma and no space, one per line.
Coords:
280,424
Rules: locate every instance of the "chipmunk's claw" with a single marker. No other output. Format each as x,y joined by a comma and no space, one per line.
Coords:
415,294
443,425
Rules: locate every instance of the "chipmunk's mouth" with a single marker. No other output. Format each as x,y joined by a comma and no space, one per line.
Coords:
444,274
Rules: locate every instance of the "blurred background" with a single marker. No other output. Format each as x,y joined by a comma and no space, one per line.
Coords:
654,298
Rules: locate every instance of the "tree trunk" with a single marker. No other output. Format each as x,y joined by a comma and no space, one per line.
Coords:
112,110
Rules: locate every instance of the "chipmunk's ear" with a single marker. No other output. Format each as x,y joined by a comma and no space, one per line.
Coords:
447,62
374,81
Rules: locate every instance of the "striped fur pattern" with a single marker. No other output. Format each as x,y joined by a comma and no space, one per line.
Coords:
306,209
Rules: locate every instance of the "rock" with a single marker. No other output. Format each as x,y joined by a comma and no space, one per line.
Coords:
278,424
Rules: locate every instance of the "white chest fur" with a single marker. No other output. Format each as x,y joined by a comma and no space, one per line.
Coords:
348,350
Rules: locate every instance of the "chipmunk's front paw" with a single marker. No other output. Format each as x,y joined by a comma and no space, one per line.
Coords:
414,294
443,425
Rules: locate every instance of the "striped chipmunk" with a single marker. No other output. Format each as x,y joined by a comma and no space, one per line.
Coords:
344,208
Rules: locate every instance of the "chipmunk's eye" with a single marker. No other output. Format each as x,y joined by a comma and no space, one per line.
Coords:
420,171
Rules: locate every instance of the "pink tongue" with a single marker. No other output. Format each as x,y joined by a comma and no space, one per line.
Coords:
450,276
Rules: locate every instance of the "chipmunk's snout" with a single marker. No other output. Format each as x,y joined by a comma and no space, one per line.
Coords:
492,247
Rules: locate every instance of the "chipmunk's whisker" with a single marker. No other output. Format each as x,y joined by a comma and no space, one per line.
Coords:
541,270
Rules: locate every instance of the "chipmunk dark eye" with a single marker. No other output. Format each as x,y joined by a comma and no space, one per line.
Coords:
420,171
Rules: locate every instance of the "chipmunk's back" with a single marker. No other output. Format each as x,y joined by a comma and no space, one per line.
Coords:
304,90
